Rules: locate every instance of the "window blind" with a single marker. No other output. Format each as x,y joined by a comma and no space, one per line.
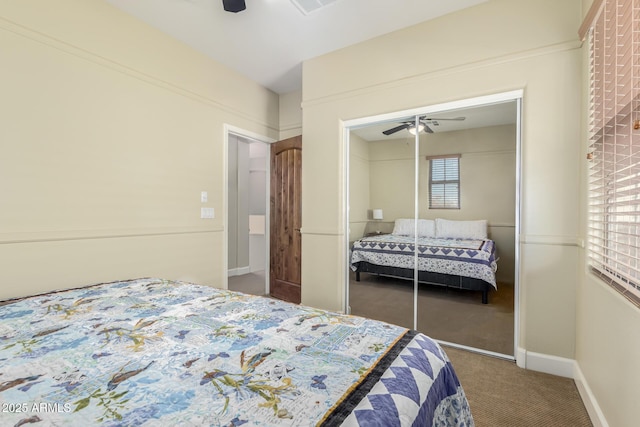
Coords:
444,182
614,146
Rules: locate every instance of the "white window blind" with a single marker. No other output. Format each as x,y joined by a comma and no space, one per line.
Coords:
444,182
614,146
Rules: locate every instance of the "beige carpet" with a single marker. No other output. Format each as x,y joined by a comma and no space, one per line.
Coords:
455,316
252,283
501,394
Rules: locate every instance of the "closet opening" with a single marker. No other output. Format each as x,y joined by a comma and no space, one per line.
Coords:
433,202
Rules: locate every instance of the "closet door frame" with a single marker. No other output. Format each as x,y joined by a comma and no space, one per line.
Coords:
347,125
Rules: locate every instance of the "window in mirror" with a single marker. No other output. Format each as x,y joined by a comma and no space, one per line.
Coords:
444,182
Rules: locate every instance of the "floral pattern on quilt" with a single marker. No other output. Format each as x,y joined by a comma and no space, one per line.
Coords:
460,257
157,352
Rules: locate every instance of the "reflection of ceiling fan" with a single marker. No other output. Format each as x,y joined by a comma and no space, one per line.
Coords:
423,125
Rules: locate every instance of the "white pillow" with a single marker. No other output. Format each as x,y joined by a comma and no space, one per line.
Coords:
405,227
426,228
461,229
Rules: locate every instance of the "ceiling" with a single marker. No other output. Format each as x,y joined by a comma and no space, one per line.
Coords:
269,40
494,114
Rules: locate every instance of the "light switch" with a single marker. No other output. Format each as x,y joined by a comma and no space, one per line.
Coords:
204,196
207,213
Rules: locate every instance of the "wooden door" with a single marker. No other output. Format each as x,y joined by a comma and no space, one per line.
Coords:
286,216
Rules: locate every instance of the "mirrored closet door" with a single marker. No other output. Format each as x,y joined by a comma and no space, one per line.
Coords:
381,189
432,223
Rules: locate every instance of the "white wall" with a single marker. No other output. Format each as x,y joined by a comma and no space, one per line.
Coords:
109,131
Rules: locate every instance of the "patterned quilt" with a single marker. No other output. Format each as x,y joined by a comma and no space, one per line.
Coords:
162,353
459,257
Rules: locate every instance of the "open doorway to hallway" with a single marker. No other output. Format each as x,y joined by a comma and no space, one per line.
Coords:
248,195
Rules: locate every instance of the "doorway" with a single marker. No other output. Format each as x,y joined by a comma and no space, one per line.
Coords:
247,214
393,182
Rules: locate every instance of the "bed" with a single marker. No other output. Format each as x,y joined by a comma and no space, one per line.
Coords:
450,253
158,352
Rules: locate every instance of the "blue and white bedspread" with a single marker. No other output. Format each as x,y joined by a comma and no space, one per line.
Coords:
459,257
159,353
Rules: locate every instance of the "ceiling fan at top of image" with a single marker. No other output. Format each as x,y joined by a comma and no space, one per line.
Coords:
234,6
423,125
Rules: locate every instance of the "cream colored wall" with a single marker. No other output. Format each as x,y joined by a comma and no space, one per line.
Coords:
110,131
392,177
498,46
290,114
487,182
359,188
607,350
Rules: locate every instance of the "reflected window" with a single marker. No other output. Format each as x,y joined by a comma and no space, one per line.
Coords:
444,182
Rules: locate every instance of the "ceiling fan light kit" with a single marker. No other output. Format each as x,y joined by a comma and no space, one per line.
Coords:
423,125
234,6
412,129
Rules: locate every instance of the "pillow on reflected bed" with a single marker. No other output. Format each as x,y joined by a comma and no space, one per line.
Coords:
405,227
461,229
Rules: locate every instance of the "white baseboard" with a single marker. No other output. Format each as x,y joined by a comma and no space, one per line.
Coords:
589,400
548,364
238,271
563,367
521,358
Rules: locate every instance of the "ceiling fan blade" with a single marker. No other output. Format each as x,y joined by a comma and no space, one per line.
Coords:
396,129
444,118
427,129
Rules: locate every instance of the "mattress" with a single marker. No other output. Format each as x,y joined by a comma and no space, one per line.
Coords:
158,352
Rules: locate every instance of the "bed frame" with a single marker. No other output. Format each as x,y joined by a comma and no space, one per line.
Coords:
428,277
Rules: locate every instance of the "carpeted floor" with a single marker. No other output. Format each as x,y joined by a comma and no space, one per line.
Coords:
455,316
252,283
501,394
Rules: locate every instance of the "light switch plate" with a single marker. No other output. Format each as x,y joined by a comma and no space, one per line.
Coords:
204,197
207,213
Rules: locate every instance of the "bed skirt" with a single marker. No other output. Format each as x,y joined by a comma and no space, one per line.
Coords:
428,277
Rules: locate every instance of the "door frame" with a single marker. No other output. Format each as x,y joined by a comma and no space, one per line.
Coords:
515,95
243,133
